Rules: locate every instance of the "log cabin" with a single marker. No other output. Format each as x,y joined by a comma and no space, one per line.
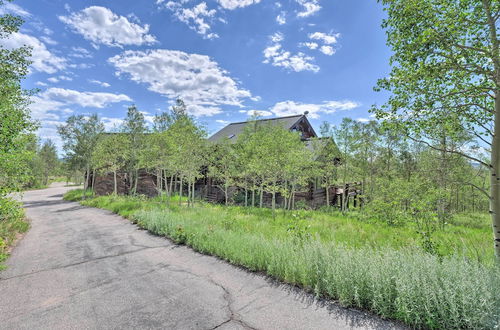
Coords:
313,196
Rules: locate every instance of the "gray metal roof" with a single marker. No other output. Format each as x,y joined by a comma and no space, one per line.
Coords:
233,130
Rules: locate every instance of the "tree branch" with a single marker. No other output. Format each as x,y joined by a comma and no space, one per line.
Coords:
450,151
479,189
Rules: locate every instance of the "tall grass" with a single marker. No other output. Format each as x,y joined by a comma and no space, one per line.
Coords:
368,265
468,235
11,224
420,289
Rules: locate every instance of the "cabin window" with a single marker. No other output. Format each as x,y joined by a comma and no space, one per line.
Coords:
230,136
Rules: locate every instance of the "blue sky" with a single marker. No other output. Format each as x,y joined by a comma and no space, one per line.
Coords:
225,58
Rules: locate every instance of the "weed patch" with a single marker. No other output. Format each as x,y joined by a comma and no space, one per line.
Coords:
11,224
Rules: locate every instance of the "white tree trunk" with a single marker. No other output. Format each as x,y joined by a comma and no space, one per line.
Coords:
495,178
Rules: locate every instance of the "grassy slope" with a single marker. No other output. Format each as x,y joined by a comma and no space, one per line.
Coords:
368,265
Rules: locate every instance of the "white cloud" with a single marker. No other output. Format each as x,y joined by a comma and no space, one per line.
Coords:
287,108
277,37
111,124
223,122
363,120
310,7
260,113
327,50
98,82
41,83
310,45
233,4
53,101
281,18
80,52
66,78
277,56
83,99
43,59
328,39
59,78
195,78
48,40
11,8
81,66
101,26
197,18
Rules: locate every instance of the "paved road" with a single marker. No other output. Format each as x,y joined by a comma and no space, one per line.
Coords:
85,268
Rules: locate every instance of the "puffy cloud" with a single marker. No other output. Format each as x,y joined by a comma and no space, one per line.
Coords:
310,7
83,99
288,108
277,56
43,60
327,50
233,4
328,39
101,26
195,78
197,18
53,101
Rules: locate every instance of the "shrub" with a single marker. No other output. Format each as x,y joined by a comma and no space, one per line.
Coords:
11,223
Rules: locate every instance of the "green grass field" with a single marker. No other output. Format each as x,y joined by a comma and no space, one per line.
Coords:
361,263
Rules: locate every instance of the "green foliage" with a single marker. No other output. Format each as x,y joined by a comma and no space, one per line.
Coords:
11,223
445,83
15,123
74,195
368,265
464,235
15,128
80,135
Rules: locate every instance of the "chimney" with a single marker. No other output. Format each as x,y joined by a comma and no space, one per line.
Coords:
306,113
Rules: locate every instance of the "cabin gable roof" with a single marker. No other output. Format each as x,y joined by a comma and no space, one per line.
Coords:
233,130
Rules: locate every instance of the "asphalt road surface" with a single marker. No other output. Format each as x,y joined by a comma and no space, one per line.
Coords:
86,268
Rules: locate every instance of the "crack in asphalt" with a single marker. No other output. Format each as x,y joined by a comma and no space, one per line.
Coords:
82,262
228,298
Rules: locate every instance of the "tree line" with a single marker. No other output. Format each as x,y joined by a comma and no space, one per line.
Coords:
398,176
